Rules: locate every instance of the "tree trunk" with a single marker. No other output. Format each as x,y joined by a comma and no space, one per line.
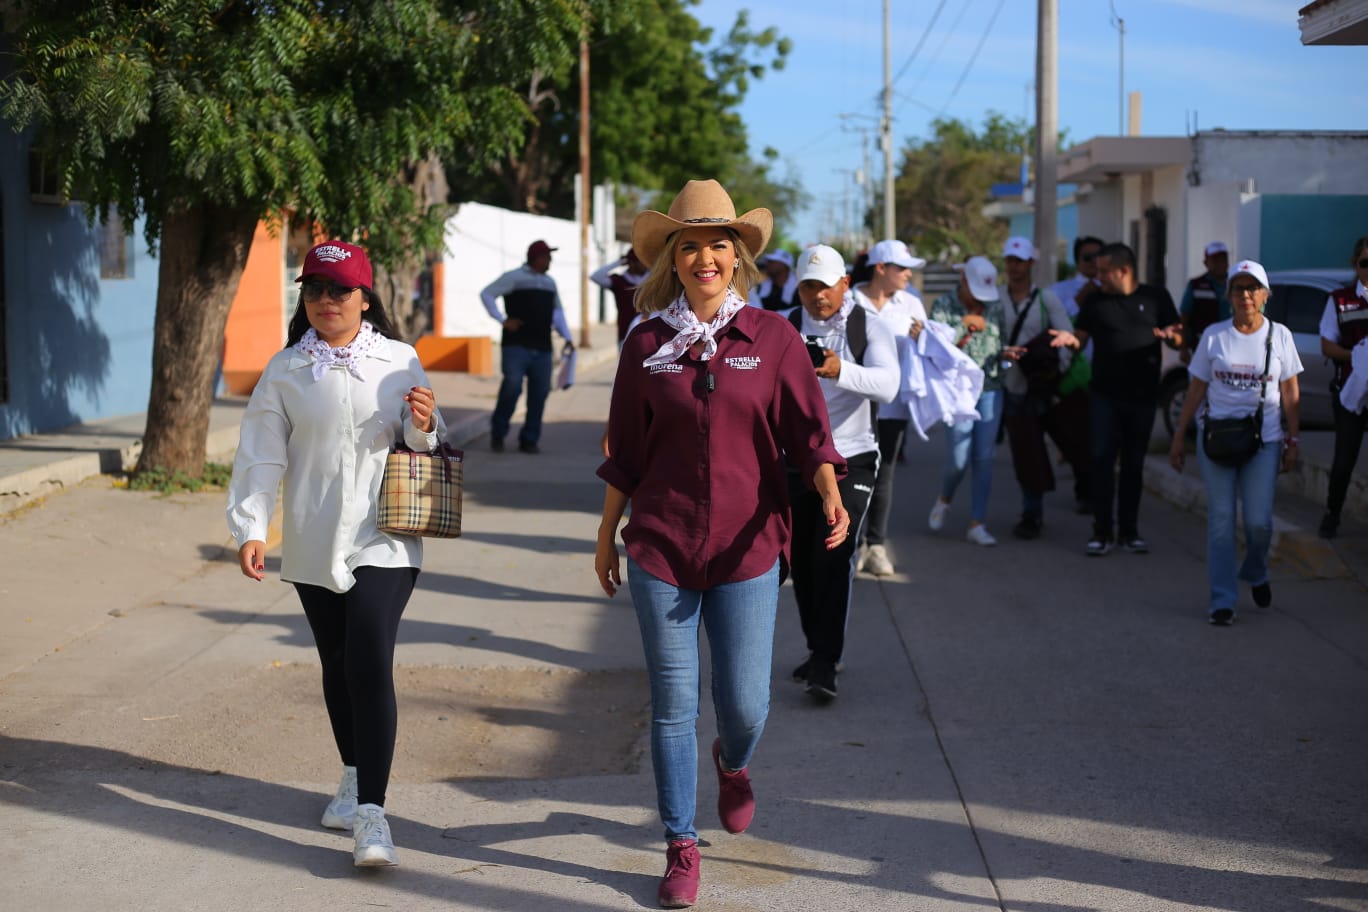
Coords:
203,253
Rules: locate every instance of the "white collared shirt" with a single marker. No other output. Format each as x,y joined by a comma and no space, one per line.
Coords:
898,312
328,439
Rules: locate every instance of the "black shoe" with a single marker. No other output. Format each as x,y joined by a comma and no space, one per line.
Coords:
496,444
1263,594
528,448
1029,527
1134,544
800,674
821,681
1329,525
1222,617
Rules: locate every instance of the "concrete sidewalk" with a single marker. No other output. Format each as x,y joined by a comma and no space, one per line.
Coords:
40,464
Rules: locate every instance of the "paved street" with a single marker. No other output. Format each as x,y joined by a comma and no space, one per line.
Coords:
1019,728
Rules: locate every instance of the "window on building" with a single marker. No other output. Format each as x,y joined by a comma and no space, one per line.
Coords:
44,178
116,248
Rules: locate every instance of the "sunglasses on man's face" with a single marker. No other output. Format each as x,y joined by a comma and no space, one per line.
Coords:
1244,289
1363,263
314,291
1087,257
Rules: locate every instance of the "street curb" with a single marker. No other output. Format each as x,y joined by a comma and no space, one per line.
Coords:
1301,549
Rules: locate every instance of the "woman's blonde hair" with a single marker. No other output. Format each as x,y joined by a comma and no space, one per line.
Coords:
662,286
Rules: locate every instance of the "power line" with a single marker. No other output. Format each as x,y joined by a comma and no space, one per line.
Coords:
973,58
927,31
940,48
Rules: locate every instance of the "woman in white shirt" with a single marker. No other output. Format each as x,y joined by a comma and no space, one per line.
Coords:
1227,373
324,416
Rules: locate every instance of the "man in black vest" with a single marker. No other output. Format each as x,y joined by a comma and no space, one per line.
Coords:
1204,299
533,307
856,362
779,289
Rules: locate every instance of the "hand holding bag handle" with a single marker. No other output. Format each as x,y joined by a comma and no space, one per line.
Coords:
420,493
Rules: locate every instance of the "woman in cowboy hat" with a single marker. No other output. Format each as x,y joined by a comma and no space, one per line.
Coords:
710,399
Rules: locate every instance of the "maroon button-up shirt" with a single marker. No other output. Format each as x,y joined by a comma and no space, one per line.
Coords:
699,447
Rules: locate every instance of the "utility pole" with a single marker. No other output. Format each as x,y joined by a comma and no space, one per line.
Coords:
586,193
1121,81
886,125
866,181
1047,139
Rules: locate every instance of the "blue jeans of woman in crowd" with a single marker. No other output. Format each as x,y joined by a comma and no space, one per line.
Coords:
1253,483
739,619
972,443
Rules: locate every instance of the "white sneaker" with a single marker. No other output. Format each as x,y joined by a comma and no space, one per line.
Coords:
979,535
374,847
862,556
877,562
937,517
340,813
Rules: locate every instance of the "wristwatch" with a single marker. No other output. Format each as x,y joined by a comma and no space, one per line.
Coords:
1289,442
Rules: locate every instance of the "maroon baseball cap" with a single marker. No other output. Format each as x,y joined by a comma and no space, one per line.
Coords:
539,248
346,264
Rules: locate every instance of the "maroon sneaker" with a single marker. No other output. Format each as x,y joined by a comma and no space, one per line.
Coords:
679,886
735,800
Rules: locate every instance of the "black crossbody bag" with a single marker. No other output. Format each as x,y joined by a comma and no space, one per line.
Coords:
1232,442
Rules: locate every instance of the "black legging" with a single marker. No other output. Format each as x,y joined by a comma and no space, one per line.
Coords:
355,633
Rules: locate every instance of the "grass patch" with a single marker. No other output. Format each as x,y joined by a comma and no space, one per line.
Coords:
215,478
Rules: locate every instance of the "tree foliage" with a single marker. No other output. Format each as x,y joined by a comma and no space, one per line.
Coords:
943,184
665,94
203,117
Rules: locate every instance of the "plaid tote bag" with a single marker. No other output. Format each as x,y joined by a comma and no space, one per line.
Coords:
420,493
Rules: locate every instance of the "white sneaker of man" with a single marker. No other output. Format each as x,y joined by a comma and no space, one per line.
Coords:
340,813
374,846
876,561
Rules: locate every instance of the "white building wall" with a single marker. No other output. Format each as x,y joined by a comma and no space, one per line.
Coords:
1283,163
483,242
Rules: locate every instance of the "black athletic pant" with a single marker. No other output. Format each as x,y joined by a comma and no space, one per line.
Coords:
1349,428
355,633
892,433
822,579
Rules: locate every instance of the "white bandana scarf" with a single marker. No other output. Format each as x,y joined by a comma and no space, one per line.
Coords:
348,356
836,326
690,330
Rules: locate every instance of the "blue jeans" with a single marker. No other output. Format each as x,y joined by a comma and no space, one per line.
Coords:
973,442
1253,482
739,618
520,362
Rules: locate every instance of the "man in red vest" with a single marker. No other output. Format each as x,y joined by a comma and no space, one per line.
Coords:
623,284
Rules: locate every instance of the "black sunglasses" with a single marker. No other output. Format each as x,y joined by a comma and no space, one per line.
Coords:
1363,263
1087,257
314,291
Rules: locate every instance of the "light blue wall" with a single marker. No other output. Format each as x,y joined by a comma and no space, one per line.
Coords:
1066,227
1310,232
78,347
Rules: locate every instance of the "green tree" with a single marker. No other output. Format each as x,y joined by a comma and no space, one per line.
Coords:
943,184
204,117
665,94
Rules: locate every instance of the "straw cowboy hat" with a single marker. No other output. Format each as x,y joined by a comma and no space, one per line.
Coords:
701,203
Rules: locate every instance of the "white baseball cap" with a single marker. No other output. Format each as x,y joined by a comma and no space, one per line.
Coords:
822,263
895,252
1249,268
779,256
982,276
1019,247
1216,247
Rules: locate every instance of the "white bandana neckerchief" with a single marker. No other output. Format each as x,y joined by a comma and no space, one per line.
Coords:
836,326
678,316
348,356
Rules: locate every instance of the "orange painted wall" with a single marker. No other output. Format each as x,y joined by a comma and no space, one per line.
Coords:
256,327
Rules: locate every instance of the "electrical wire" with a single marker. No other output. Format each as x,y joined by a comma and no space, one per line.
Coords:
973,58
920,41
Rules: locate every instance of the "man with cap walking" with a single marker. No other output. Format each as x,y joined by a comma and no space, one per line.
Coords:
886,295
856,362
780,285
533,307
1204,299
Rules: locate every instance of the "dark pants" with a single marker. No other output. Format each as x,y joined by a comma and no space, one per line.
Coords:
355,633
1124,426
822,579
892,433
1067,424
519,363
1024,418
1349,428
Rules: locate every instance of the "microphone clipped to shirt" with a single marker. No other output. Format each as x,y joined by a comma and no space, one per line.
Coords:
711,383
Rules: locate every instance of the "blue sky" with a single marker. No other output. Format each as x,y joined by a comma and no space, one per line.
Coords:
1237,64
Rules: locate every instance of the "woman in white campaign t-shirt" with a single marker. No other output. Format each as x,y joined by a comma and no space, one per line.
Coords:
1227,375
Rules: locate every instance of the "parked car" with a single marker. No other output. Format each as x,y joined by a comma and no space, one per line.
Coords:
1297,300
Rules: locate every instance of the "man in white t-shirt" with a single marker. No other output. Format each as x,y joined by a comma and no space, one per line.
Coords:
887,295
